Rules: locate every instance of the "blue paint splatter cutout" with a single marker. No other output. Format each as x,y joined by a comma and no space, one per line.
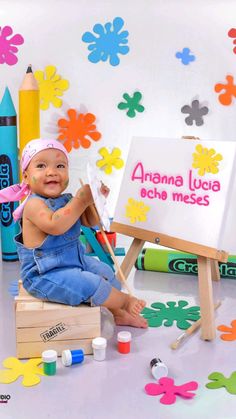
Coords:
185,56
109,43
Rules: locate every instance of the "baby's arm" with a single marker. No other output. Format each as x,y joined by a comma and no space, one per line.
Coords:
60,221
90,217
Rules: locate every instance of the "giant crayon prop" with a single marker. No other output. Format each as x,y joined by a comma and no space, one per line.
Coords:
8,174
172,261
28,109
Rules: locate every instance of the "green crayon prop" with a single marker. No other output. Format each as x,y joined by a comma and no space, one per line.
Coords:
172,261
8,175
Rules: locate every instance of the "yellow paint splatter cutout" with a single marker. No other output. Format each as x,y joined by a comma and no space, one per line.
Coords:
110,160
136,211
206,160
15,368
51,85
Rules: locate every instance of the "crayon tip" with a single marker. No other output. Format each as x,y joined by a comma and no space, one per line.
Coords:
6,106
29,69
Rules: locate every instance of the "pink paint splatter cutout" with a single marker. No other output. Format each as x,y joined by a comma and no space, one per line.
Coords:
7,46
166,386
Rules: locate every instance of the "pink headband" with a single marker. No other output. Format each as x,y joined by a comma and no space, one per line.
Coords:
18,191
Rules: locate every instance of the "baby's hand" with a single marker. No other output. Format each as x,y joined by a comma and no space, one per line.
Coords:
85,194
104,190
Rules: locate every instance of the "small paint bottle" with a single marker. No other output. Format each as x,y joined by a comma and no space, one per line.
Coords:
124,341
158,368
99,348
49,358
69,357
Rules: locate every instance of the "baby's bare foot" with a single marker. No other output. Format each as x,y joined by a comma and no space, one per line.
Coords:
134,306
123,318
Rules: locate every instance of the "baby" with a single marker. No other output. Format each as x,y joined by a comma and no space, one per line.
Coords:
54,265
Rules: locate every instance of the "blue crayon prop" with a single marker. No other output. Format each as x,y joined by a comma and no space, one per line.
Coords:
8,175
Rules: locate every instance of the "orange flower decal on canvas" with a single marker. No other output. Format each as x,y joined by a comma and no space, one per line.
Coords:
78,130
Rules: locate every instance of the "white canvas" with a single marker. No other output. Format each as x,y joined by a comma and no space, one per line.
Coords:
182,210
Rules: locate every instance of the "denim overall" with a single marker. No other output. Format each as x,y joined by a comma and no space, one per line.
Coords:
58,270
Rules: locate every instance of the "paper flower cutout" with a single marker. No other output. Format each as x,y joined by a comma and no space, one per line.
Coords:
232,34
195,113
51,85
230,331
7,46
161,314
136,210
206,160
219,381
110,160
78,130
15,368
132,104
109,43
166,385
185,56
229,88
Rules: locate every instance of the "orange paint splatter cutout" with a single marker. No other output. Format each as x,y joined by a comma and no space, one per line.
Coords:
230,332
229,88
78,130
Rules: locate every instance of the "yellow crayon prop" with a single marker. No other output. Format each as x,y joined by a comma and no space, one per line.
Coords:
29,127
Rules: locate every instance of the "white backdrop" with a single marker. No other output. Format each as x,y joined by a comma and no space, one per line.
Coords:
52,32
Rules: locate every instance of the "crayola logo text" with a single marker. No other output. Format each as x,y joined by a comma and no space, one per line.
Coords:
6,179
189,265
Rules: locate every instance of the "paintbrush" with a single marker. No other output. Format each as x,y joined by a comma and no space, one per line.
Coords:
122,276
189,331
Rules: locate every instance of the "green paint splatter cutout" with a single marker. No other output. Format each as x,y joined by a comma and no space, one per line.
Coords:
132,104
219,381
161,314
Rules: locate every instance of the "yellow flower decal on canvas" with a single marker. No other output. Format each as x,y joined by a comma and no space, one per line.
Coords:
51,85
136,210
110,160
206,160
15,368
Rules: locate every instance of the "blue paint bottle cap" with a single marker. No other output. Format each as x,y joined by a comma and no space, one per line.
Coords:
72,357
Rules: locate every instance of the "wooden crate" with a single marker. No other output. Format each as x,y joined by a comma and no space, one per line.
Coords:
41,325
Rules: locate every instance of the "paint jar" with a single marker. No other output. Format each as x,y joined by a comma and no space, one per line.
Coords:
69,357
124,340
111,236
49,362
99,348
158,368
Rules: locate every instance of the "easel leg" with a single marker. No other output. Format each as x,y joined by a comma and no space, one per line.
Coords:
131,257
206,298
215,272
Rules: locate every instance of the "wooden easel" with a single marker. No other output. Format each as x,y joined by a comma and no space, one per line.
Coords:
208,268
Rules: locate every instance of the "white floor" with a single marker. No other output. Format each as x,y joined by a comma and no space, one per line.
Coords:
115,388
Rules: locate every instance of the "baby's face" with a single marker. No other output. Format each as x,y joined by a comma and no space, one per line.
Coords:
47,174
